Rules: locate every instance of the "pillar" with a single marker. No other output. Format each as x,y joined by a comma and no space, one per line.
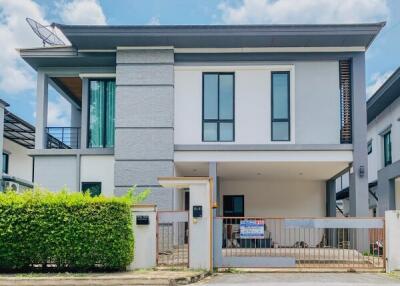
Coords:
358,190
41,110
144,140
3,105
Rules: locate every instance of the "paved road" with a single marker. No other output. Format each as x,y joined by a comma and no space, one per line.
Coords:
300,279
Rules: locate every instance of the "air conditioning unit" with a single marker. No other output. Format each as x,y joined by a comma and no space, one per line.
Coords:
12,185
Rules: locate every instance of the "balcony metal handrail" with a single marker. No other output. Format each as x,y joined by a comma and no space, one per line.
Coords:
63,137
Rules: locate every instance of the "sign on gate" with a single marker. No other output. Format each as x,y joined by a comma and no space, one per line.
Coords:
252,229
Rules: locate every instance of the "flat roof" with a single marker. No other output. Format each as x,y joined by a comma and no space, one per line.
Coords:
384,96
221,36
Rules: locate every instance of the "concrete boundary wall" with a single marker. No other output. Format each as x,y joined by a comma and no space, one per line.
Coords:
392,240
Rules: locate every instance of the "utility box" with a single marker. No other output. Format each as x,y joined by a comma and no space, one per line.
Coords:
142,220
197,211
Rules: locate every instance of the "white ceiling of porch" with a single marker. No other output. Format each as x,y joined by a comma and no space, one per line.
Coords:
265,170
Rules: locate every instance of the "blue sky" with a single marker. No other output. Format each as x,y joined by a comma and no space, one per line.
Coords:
18,83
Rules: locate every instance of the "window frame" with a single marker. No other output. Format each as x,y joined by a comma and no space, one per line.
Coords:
232,196
218,121
104,120
6,159
387,134
288,120
369,147
91,183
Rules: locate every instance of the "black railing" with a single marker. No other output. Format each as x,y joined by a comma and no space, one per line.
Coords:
63,137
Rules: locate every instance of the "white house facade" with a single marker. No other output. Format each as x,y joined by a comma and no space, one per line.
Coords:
384,144
274,114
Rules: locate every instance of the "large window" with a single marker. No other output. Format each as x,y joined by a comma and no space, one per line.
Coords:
218,107
5,163
101,113
234,206
387,149
280,106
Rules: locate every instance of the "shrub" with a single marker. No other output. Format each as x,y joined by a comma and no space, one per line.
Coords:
65,231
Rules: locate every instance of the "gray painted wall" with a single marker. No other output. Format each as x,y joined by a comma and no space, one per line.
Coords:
317,102
56,172
144,122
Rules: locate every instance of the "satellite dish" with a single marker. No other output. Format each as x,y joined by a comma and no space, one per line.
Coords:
46,35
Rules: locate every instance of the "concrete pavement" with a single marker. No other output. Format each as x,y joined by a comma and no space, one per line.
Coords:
300,279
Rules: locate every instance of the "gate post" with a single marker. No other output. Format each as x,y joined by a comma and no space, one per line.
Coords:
200,218
144,222
392,240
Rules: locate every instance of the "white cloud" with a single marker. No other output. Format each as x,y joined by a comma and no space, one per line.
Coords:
376,82
15,33
85,12
303,11
58,113
154,21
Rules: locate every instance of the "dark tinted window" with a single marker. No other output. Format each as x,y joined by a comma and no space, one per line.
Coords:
280,102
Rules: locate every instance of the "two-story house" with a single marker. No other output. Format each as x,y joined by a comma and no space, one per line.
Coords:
274,113
384,144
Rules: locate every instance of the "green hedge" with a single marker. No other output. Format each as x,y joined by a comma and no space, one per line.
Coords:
64,231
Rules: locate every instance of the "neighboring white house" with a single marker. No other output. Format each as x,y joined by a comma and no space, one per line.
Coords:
17,165
383,144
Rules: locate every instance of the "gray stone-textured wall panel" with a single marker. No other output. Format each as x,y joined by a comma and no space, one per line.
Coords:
144,122
144,144
144,106
56,172
145,56
145,74
162,197
129,173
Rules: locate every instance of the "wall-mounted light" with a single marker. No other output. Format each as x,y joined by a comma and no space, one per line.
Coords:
361,171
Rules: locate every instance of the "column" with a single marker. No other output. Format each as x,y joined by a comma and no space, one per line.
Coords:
144,127
3,105
41,110
358,193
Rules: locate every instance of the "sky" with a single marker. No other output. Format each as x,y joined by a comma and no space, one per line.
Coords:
18,80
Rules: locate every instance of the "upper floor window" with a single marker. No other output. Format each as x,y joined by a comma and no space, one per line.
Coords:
387,149
218,107
101,113
280,105
369,147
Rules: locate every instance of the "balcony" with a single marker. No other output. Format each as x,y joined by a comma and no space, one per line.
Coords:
63,137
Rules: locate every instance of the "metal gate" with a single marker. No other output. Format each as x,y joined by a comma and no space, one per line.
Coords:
173,238
326,243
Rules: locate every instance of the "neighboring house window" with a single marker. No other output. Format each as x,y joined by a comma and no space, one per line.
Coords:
280,103
101,113
5,163
234,206
218,107
387,149
369,147
94,188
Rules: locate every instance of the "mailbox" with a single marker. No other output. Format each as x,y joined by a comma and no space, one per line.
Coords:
142,220
197,211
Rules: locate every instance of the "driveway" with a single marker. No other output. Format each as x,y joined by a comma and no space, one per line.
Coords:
300,279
